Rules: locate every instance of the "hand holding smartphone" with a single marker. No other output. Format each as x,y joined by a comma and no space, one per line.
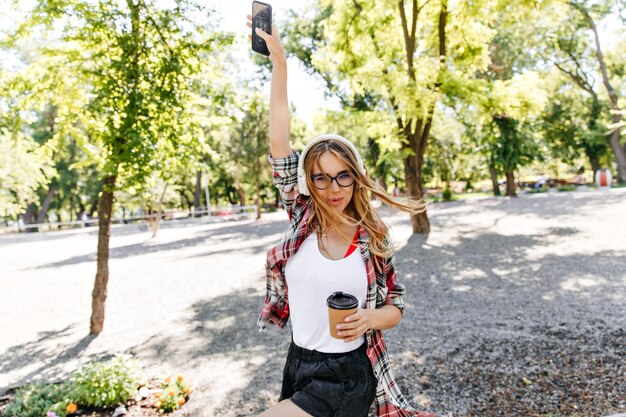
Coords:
261,18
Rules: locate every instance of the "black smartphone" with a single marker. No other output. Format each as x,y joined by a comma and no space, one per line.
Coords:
261,18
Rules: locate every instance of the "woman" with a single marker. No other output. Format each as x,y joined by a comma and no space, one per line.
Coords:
336,242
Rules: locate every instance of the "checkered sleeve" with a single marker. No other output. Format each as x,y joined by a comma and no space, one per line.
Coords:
395,291
285,178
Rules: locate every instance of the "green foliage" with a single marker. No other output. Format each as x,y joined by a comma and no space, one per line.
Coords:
377,62
249,145
516,145
366,52
369,131
105,384
35,400
573,124
446,194
95,385
41,101
144,91
24,167
575,47
567,188
128,82
500,123
451,156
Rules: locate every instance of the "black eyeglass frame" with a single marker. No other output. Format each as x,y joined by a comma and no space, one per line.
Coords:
331,179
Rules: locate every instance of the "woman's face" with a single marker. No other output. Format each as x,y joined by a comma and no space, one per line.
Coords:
329,166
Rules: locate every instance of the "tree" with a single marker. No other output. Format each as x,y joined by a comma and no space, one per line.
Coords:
582,59
133,60
249,144
47,101
25,164
614,135
24,167
512,106
451,157
215,110
75,187
513,96
397,56
572,124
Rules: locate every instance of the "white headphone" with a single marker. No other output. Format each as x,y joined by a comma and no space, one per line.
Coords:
302,187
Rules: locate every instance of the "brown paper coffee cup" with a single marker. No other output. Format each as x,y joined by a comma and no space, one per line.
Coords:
340,305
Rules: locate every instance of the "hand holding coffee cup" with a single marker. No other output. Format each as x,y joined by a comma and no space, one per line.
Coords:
340,305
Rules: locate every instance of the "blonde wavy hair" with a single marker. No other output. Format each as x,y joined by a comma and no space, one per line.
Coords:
360,210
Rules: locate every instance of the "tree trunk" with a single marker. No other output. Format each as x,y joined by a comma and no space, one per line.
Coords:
494,181
595,163
592,149
618,150
30,215
258,194
510,184
184,196
99,294
418,139
45,205
241,193
413,175
624,156
620,155
92,207
196,195
420,223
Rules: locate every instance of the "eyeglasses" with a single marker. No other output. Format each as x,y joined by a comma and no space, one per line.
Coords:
323,181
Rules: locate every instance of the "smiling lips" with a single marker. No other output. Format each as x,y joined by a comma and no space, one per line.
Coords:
335,201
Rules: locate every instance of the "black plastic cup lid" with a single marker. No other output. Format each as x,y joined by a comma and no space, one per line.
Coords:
342,301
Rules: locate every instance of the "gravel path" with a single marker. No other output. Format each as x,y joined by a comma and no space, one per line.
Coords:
515,307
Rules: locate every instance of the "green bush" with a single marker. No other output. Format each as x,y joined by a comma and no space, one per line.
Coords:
35,400
105,384
566,188
446,195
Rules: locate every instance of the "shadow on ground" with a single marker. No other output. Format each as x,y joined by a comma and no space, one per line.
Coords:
226,327
468,340
50,363
221,235
543,205
489,332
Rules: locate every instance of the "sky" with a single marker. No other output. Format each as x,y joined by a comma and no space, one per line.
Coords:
306,92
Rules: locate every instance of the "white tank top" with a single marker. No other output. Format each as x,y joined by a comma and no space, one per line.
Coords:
311,278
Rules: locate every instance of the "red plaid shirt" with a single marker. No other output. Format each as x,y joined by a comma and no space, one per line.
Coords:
382,286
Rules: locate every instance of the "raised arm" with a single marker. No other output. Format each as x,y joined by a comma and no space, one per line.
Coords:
279,104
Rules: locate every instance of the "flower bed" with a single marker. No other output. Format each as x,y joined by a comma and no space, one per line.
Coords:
99,389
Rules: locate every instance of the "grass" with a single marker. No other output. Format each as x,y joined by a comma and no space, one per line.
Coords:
567,188
539,191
